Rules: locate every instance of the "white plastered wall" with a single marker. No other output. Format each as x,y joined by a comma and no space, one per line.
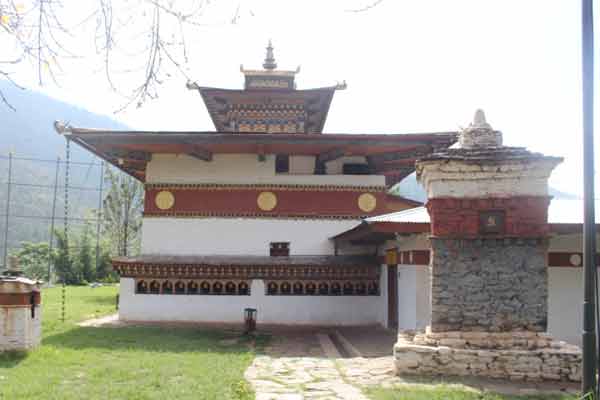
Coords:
239,236
302,165
335,167
246,169
565,292
285,310
414,303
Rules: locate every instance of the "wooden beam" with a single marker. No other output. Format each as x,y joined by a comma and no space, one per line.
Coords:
201,154
401,155
129,155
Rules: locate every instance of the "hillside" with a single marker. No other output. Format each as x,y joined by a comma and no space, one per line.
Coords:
28,133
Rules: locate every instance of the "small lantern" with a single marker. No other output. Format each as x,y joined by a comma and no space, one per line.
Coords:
249,320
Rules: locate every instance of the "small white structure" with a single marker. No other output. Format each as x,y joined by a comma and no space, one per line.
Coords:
20,314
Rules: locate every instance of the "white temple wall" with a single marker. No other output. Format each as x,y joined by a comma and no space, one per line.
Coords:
423,284
302,165
413,297
290,310
239,236
335,167
246,169
565,298
411,242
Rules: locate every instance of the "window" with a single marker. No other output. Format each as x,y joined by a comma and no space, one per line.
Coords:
355,169
282,163
279,249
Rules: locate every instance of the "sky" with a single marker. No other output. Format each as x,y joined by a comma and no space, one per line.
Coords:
410,65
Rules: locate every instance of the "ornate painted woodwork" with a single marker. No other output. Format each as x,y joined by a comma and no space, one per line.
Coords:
192,287
271,272
152,286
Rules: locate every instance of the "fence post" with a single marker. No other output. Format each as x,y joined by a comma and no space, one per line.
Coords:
6,217
51,243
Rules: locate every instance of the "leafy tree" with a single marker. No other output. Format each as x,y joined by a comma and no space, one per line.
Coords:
122,212
84,261
63,263
35,258
104,271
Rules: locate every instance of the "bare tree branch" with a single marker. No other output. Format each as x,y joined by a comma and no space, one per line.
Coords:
367,7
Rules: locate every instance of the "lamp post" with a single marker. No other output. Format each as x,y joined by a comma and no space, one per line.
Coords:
588,383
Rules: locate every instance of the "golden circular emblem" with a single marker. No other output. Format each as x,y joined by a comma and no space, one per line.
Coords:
266,201
367,202
164,200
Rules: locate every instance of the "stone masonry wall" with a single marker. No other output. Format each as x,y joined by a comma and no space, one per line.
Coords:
493,285
517,356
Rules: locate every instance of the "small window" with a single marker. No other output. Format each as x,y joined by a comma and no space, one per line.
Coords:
355,169
282,163
279,249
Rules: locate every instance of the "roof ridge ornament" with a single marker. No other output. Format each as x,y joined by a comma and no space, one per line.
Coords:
270,63
63,128
479,134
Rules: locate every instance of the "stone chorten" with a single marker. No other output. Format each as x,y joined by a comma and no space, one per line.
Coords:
20,312
488,206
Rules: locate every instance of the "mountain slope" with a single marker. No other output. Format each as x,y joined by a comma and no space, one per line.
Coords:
29,134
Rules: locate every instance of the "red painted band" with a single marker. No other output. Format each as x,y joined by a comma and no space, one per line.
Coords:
243,202
525,216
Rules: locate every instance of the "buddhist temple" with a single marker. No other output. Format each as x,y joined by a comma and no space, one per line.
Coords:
269,211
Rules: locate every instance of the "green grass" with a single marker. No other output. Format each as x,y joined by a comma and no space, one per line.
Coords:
121,363
449,392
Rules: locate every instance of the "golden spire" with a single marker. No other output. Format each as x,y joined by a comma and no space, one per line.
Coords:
270,63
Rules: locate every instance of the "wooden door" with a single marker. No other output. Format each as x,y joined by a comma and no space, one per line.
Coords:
392,291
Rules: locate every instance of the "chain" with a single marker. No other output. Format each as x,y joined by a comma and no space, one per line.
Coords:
66,221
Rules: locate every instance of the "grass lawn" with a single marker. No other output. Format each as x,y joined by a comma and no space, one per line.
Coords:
121,363
449,392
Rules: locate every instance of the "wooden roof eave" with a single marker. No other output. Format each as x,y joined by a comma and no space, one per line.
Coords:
331,139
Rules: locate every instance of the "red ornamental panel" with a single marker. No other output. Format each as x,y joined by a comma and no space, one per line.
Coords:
525,216
19,299
335,202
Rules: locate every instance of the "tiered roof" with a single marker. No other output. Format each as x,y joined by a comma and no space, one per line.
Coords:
268,116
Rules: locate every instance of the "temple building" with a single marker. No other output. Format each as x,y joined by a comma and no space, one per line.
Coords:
308,227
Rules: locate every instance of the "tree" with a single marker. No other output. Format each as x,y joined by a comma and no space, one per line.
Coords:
84,261
138,43
104,271
35,258
122,212
63,263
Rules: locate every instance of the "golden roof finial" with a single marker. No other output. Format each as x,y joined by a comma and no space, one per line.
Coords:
270,63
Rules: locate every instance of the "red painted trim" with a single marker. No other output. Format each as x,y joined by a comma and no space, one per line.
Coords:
420,257
411,257
572,259
524,216
564,229
240,201
19,299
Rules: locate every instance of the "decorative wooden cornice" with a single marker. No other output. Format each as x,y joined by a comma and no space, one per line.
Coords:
278,187
271,272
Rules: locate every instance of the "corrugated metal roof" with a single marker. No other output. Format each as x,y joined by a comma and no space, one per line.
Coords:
413,215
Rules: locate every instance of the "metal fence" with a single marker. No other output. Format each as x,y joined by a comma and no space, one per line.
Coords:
39,196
